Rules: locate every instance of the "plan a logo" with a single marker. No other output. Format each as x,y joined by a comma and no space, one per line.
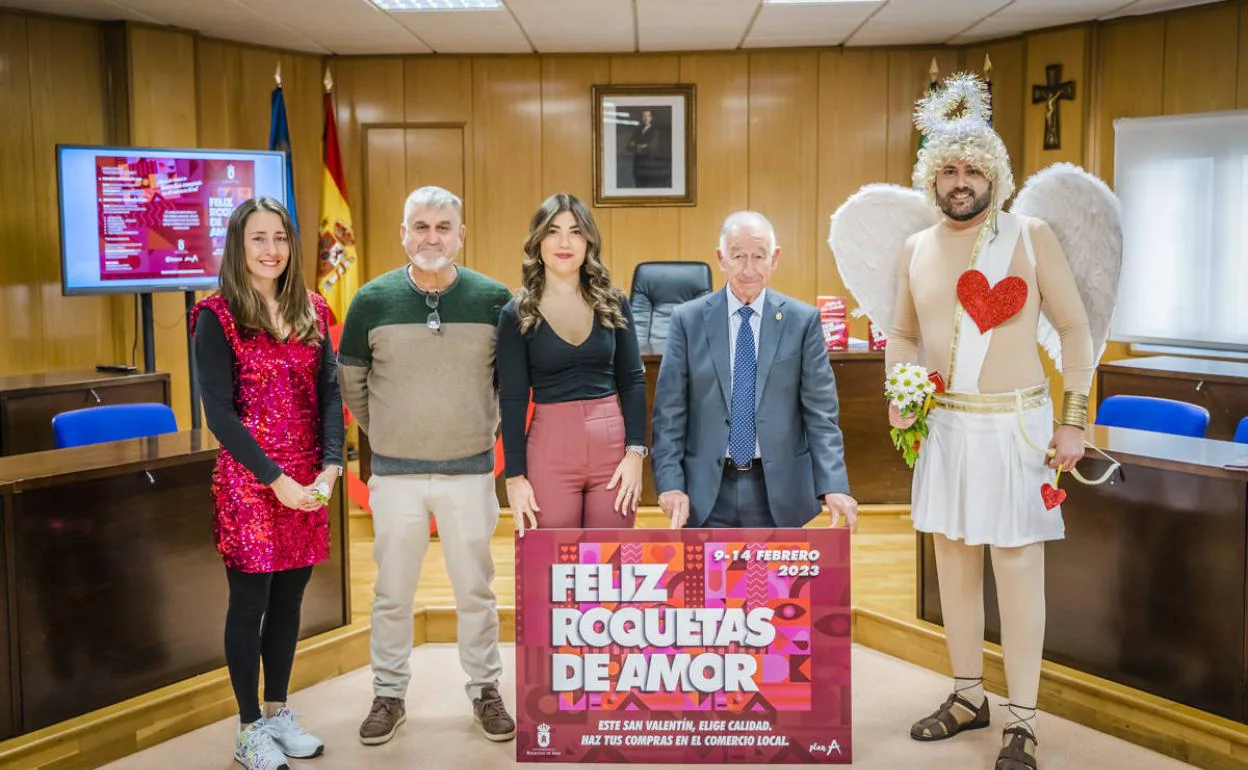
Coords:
543,735
820,748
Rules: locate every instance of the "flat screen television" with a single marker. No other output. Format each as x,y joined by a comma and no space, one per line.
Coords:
137,220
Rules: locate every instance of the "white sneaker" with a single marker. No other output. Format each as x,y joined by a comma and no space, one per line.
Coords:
254,748
291,738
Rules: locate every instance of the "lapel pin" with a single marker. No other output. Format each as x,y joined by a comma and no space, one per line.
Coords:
779,316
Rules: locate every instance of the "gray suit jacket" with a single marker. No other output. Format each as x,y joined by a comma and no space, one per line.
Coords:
801,444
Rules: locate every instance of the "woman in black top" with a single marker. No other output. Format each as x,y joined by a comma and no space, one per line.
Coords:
568,335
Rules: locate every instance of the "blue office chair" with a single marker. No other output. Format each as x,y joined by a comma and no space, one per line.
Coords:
1241,432
114,422
1160,415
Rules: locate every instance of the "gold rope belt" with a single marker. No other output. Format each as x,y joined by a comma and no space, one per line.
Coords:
1018,402
992,403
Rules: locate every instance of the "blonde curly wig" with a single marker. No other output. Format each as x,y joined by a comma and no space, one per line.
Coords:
955,123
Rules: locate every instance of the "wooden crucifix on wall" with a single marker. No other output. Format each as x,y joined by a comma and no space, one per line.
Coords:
1051,93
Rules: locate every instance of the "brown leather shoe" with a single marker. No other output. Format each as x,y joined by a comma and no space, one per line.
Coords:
1019,751
943,723
383,720
492,715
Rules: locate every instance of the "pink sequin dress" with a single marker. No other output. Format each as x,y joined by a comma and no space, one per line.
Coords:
275,397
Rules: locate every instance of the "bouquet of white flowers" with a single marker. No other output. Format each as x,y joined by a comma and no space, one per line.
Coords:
910,389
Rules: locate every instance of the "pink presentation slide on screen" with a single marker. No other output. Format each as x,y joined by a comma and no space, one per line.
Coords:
165,218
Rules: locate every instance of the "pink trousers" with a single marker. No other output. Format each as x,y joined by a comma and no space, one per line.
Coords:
573,450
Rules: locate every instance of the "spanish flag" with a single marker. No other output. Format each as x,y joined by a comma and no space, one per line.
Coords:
338,269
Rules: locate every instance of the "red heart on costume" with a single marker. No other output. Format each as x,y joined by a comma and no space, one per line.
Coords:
1052,496
991,306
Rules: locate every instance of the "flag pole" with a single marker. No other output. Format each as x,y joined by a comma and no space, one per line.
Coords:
988,83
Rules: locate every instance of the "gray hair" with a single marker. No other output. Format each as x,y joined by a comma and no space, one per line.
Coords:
747,220
432,197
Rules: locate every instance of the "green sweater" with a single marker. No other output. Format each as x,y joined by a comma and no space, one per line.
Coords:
428,401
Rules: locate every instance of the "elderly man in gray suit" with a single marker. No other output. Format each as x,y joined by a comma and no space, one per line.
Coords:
745,411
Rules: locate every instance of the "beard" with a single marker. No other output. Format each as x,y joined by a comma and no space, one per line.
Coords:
977,204
429,264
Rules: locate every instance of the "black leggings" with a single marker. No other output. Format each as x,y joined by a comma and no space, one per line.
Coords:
262,622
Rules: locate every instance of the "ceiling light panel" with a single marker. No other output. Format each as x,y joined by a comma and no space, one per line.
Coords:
438,5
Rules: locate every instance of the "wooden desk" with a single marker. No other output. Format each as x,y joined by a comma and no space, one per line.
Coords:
877,474
1148,588
29,402
1219,386
114,587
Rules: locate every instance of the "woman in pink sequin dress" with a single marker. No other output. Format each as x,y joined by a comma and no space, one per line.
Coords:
270,392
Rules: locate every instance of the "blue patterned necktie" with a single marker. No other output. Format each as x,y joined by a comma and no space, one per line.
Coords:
742,434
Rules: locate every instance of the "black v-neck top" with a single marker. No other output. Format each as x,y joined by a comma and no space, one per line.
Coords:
607,363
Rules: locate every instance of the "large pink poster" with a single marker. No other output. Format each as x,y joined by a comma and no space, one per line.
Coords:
166,217
687,646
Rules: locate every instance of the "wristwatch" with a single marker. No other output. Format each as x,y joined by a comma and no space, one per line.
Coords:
640,450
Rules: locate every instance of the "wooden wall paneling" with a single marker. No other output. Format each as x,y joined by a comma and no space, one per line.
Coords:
853,148
1067,47
252,101
1200,42
1241,98
369,91
20,301
1008,91
163,113
1130,70
439,90
163,108
386,167
643,234
434,155
507,167
218,66
723,87
783,141
567,136
907,82
67,107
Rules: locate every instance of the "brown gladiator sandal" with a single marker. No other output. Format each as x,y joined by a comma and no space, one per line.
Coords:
1020,752
942,723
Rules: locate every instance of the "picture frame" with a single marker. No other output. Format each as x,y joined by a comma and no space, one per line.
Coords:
645,145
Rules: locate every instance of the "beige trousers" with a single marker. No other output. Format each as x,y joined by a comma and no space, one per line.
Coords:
466,510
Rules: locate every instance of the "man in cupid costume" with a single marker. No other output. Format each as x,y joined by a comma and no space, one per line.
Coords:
966,289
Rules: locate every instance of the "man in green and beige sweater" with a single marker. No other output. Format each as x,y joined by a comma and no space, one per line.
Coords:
416,365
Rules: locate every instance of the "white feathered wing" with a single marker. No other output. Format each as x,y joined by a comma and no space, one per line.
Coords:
867,235
1085,216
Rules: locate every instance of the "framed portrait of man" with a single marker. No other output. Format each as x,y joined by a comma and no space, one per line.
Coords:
644,142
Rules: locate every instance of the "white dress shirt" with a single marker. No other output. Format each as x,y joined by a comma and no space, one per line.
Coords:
734,326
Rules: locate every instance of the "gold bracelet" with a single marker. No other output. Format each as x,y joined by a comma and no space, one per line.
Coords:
1075,409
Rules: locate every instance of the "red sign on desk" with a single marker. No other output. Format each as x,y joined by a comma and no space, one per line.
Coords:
687,646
